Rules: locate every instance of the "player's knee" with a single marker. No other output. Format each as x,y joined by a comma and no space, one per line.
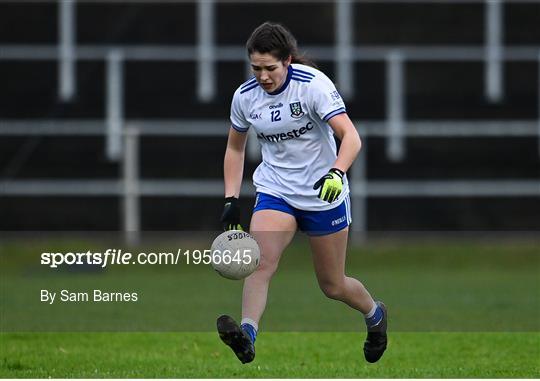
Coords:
267,268
333,290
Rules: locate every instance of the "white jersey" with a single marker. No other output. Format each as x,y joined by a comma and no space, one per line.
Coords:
298,145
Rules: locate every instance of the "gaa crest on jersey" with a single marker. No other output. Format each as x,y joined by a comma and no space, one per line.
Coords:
296,110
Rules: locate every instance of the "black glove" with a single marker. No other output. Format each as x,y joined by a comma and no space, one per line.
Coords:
231,214
331,185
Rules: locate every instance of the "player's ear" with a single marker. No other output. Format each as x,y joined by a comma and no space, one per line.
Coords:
288,61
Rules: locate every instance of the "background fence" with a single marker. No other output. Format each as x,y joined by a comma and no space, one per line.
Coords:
114,115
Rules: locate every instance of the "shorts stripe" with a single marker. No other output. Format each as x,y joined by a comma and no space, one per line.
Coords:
348,209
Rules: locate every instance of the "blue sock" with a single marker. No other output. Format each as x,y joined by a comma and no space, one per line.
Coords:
250,330
376,318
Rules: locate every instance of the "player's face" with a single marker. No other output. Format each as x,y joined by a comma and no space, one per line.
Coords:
269,70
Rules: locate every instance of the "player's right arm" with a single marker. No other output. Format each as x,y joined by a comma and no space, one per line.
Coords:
233,169
233,166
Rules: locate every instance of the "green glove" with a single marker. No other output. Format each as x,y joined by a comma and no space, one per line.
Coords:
331,185
231,214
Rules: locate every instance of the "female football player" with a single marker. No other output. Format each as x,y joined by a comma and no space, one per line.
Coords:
301,183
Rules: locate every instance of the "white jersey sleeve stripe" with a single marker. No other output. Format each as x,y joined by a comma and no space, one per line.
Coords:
250,81
238,128
300,79
300,75
251,87
303,72
331,114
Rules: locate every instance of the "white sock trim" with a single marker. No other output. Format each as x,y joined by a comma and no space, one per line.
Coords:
372,311
250,322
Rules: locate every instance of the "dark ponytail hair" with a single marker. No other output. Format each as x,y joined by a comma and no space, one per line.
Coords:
277,40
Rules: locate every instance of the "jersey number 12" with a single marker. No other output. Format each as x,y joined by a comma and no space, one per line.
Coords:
275,116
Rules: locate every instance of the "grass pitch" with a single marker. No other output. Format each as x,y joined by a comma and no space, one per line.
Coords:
279,355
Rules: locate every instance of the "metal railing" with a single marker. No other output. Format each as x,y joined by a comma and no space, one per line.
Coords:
123,135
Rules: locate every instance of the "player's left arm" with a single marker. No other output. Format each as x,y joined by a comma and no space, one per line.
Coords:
331,185
351,144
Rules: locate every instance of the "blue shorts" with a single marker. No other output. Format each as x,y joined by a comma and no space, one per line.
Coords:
313,223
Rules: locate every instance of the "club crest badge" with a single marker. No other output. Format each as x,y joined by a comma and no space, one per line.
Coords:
296,110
